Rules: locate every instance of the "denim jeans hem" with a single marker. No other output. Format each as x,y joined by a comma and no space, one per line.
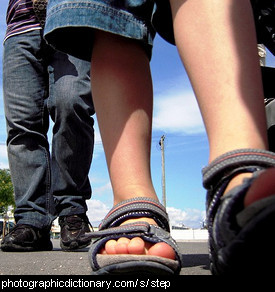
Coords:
70,21
36,220
72,211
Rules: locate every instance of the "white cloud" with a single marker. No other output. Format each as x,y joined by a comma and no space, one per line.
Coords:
177,111
3,157
103,190
190,217
96,211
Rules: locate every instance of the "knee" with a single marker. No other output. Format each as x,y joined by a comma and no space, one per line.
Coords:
74,109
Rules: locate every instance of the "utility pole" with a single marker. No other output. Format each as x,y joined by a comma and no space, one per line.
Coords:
161,143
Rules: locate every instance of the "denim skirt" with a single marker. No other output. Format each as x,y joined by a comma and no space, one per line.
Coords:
70,23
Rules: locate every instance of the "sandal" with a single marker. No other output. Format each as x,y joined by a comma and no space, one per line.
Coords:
129,264
240,238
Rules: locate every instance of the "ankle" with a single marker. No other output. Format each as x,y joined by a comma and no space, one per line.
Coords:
134,192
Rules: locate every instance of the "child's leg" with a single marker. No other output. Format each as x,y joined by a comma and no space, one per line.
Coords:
217,44
122,95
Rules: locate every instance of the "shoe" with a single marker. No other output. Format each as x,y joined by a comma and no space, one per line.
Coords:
72,229
27,238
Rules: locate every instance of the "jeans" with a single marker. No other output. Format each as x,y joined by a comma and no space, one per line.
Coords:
40,82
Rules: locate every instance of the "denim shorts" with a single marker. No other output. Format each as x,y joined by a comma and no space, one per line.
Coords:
70,23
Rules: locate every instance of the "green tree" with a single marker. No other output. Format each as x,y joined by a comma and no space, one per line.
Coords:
6,191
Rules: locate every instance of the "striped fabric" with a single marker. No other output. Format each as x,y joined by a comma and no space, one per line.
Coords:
20,18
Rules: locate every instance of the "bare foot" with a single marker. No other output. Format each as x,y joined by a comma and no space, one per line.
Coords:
138,246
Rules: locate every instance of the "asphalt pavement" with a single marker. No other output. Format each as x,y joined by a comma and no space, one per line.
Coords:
58,262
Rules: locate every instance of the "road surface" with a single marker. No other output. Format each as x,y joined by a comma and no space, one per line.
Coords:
58,262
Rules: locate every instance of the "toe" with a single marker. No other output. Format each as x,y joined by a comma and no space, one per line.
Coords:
162,249
136,246
110,247
122,245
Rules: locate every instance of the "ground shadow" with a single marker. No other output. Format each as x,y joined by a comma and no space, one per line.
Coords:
194,260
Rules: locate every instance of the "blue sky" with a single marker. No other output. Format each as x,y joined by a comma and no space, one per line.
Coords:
176,115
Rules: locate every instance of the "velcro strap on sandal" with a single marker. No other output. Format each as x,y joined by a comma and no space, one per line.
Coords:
137,228
136,208
240,160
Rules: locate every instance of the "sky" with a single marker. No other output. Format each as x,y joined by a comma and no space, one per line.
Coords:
176,115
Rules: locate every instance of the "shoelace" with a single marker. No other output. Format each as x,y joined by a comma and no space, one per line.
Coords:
75,222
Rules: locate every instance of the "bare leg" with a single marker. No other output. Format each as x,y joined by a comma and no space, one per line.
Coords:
122,90
122,94
217,45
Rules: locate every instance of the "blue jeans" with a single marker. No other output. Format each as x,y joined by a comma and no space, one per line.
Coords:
39,82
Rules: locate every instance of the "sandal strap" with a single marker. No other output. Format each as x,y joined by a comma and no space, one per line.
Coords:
218,174
236,161
223,210
136,208
150,233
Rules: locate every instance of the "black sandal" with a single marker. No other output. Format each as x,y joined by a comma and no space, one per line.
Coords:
134,264
240,239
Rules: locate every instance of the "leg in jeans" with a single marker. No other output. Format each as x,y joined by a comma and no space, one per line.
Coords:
25,90
71,108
